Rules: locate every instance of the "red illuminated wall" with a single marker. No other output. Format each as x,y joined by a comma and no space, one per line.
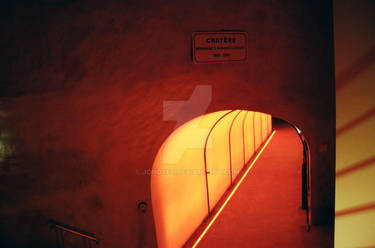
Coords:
82,113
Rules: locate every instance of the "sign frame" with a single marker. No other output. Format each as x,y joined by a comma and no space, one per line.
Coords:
219,32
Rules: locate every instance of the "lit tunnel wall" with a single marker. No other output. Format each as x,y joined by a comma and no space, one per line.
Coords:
218,145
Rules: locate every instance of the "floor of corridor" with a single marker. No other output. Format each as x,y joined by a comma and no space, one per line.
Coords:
265,211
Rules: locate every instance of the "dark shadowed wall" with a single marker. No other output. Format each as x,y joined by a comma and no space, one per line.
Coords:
82,108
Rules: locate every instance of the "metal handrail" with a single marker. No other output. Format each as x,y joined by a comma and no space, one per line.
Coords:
243,139
230,146
75,231
205,157
306,162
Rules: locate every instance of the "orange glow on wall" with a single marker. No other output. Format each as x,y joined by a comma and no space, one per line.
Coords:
258,130
218,160
182,195
237,144
264,126
232,192
249,136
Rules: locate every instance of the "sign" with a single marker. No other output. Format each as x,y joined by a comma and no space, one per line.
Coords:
219,47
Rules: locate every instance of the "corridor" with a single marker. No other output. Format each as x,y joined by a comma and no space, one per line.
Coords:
265,211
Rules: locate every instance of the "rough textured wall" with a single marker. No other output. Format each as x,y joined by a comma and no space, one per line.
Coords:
85,85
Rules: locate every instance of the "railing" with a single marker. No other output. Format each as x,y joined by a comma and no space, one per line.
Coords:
61,229
204,159
305,199
264,134
263,137
305,192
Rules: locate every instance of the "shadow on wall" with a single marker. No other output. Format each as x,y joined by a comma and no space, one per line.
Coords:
355,121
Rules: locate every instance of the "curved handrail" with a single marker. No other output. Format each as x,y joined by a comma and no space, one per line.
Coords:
230,159
230,146
243,139
261,128
306,155
205,156
255,148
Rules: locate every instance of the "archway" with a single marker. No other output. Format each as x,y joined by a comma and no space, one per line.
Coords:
199,164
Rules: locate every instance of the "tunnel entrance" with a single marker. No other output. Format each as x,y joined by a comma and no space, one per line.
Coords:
200,166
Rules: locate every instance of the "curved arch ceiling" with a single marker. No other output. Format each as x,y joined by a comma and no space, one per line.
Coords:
196,164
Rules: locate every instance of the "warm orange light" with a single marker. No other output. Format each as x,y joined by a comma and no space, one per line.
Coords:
236,138
217,158
248,138
233,191
194,167
178,186
258,129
